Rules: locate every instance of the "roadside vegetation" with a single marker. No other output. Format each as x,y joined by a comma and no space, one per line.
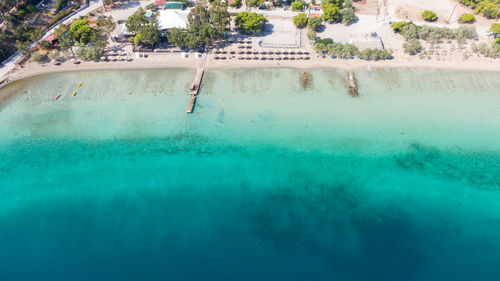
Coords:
328,47
413,33
335,11
24,23
488,8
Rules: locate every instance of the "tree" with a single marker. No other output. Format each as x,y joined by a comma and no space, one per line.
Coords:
300,20
38,57
249,22
136,21
429,15
467,18
81,31
348,4
219,19
254,3
177,36
297,6
148,34
399,25
495,28
330,13
313,24
348,15
93,53
106,24
412,47
45,44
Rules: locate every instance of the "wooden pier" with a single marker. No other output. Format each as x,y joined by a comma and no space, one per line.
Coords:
195,86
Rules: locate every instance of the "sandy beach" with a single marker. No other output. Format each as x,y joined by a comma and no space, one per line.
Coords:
158,61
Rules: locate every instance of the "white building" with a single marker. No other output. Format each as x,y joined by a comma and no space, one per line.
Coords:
173,19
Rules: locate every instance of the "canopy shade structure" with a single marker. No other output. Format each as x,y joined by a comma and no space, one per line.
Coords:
172,19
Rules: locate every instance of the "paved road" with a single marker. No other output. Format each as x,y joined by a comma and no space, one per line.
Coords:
10,64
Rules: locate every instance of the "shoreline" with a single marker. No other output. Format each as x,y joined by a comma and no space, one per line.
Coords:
35,69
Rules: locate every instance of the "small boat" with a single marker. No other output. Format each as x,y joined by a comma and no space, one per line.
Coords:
79,85
58,96
74,93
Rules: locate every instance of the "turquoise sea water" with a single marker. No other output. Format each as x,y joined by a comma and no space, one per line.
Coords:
265,181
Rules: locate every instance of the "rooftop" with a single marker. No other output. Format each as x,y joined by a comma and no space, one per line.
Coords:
173,19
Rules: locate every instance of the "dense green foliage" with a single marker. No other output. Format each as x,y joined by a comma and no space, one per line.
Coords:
429,15
338,11
298,5
236,4
313,24
45,44
412,47
146,32
254,3
330,13
433,33
205,26
311,35
250,22
60,4
347,15
300,20
375,54
495,28
38,57
467,18
327,46
81,32
489,8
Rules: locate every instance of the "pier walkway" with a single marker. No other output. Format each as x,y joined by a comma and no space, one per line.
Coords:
195,86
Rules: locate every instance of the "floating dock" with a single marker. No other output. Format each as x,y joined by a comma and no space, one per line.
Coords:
195,86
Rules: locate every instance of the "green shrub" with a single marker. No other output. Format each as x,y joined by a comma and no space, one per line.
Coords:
45,44
38,57
21,13
236,4
249,22
347,15
300,20
31,8
311,35
429,15
152,7
254,3
467,18
297,6
412,47
495,28
398,25
60,4
313,24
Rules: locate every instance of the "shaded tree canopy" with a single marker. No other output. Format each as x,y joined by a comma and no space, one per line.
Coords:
250,22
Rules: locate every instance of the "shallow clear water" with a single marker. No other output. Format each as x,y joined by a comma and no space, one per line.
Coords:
265,181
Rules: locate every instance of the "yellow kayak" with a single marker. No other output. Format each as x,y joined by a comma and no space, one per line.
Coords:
79,85
74,93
